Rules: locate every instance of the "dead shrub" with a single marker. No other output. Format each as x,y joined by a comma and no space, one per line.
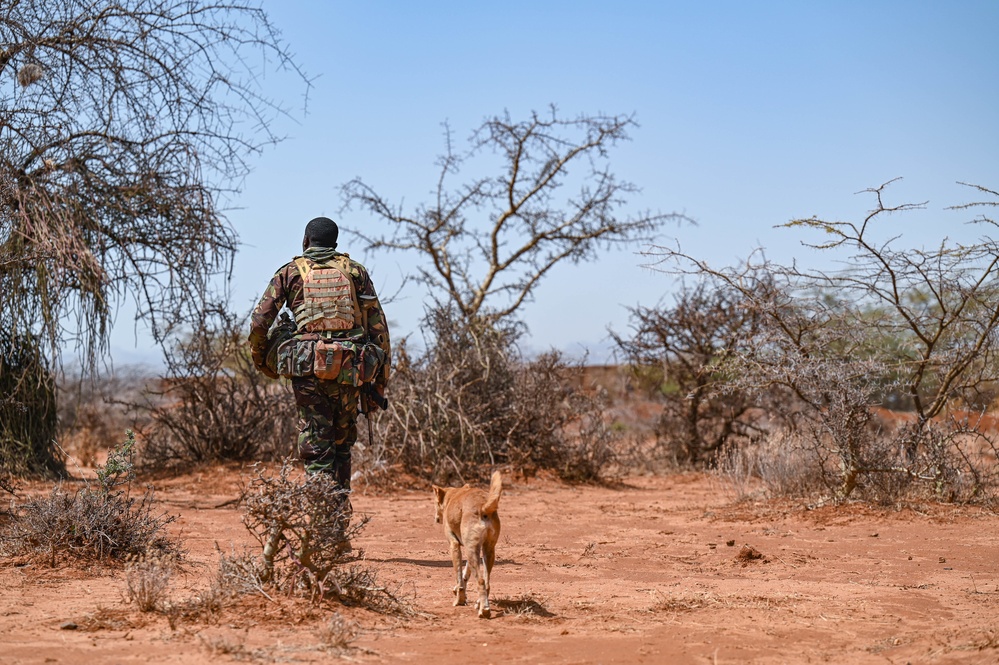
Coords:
102,522
147,580
213,405
893,325
105,618
233,645
780,462
302,525
236,574
471,403
338,634
680,355
304,529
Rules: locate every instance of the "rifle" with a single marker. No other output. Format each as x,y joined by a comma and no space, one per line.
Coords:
370,396
369,391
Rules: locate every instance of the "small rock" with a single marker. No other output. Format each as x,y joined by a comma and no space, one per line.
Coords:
69,625
874,535
730,543
943,560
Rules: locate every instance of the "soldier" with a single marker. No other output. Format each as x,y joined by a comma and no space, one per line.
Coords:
339,357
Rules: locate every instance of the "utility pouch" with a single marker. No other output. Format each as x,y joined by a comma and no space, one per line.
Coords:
370,363
278,335
329,359
296,357
336,360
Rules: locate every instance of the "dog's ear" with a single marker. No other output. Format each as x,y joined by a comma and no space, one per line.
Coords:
439,493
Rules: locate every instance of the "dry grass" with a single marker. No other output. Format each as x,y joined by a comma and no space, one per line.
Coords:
524,606
147,580
337,635
232,645
105,618
675,603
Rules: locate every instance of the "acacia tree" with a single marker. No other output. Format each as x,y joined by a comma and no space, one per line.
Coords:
123,125
684,350
530,194
924,322
489,241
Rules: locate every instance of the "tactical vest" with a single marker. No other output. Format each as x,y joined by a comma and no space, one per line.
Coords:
329,297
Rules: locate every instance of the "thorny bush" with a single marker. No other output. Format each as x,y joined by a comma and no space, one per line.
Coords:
304,527
680,354
100,523
894,326
214,405
471,402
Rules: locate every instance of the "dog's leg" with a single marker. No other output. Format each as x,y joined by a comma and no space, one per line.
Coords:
459,589
488,559
476,561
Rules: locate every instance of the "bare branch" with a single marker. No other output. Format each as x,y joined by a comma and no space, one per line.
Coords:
125,127
490,241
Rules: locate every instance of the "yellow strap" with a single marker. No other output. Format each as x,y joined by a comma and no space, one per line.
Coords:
303,267
344,266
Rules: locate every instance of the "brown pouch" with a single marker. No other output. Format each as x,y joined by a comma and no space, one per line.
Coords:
329,359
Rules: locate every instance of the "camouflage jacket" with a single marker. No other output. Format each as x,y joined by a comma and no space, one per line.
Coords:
285,288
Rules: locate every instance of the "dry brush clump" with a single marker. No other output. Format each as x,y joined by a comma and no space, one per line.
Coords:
304,527
680,353
338,634
213,405
472,402
102,521
147,580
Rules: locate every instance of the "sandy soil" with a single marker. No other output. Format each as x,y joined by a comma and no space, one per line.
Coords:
655,570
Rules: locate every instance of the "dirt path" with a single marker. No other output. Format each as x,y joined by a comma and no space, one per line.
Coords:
654,571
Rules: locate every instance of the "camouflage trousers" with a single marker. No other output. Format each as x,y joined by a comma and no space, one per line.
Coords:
327,426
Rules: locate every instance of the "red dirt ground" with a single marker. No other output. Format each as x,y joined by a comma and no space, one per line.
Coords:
655,570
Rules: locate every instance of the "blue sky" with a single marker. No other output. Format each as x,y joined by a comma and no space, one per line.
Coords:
751,114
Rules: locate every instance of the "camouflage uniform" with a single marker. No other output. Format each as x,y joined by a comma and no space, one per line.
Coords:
327,410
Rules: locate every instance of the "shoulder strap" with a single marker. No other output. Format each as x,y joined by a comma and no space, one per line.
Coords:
303,267
359,314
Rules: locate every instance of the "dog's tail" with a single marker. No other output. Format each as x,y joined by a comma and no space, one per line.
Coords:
492,499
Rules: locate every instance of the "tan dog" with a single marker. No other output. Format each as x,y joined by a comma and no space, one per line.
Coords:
471,519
